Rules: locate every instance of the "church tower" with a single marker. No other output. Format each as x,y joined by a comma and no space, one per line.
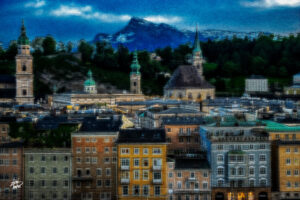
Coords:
197,59
135,75
90,84
24,70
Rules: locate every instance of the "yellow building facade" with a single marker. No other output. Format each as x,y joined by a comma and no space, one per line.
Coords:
142,171
141,167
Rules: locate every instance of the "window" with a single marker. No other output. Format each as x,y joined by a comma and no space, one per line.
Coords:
106,160
54,158
43,170
145,162
94,140
66,170
78,159
219,147
108,172
263,182
66,183
145,151
241,171
136,190
180,139
157,175
30,158
262,146
146,190
31,170
87,172
136,162
106,149
296,150
54,183
94,149
136,174
125,189
232,171
287,150
251,146
87,149
78,150
107,183
157,162
42,183
288,161
296,184
288,172
204,185
220,171
99,183
220,158
251,183
31,183
179,174
220,182
99,172
124,161
288,184
262,157
156,151
262,170
192,174
114,149
179,184
125,151
156,190
170,185
78,139
94,160
170,174
24,68
43,158
54,170
24,92
251,170
145,174
136,151
296,172
196,185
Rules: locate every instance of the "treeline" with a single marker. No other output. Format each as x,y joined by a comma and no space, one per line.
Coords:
228,62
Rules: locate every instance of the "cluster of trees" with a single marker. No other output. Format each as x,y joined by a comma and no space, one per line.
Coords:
228,62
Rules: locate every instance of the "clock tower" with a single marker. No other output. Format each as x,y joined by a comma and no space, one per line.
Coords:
24,70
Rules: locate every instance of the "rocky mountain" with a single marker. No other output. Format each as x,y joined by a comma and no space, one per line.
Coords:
141,34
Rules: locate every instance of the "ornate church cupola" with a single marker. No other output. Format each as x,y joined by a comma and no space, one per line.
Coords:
90,84
135,75
24,70
197,59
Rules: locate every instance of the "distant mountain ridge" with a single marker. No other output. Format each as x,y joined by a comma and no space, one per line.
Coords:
141,34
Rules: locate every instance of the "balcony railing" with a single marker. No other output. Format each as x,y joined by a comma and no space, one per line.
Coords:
192,179
124,180
157,181
156,167
191,190
124,167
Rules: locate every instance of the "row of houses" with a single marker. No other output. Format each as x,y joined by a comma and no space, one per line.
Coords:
191,158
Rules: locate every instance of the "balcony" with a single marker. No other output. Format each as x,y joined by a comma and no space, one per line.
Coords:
156,167
82,178
157,181
124,167
191,191
192,179
124,180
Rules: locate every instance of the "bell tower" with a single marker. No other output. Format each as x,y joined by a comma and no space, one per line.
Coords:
135,75
24,70
197,59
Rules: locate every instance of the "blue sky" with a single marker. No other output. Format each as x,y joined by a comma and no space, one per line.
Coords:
75,19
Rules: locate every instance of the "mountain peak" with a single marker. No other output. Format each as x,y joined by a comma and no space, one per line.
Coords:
138,21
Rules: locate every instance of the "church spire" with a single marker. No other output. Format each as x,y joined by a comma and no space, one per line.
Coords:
196,47
23,39
135,66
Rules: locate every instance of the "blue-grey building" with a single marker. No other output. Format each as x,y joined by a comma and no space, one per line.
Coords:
239,154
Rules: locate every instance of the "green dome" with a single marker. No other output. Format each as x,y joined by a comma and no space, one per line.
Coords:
23,39
135,66
90,81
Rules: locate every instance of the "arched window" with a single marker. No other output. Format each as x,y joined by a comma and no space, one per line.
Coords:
220,171
232,171
24,92
190,96
180,95
24,68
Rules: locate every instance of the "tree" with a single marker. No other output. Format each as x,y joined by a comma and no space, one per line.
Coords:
12,51
69,47
61,46
37,44
49,45
86,50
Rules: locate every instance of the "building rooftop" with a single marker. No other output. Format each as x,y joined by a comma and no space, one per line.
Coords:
47,150
109,124
142,136
187,76
179,111
272,126
191,163
11,144
5,78
183,120
253,76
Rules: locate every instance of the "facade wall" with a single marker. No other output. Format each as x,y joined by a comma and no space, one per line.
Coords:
183,185
135,84
139,174
11,167
256,85
190,93
47,174
183,138
287,136
94,166
291,91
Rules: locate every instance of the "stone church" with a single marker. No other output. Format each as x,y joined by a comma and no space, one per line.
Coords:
188,82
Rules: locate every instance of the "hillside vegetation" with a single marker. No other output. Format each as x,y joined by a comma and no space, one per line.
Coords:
228,63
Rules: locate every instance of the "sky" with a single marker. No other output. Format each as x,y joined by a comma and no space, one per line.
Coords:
70,20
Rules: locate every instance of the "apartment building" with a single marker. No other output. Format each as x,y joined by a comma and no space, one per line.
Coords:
141,171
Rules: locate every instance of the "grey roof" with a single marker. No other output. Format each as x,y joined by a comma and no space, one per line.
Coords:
110,124
191,163
187,76
179,111
142,136
182,120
